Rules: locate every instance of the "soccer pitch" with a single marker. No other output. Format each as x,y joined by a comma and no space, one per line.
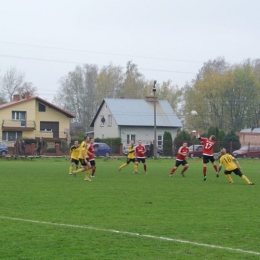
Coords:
48,214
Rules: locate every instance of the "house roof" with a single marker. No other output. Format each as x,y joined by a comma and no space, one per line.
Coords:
13,103
249,130
139,112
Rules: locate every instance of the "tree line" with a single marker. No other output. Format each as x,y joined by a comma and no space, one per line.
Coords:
226,96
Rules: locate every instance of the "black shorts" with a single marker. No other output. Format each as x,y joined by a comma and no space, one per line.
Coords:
82,162
74,161
92,162
207,158
178,163
236,171
130,160
142,160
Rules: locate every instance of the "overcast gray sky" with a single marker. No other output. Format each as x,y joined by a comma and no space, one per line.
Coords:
167,39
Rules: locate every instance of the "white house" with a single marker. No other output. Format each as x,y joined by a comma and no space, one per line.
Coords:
133,119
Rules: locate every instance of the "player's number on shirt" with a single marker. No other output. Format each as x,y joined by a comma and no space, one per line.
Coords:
208,145
227,159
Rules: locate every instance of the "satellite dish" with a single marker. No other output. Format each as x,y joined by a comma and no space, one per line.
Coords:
103,120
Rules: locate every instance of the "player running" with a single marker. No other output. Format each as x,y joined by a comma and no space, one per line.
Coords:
183,153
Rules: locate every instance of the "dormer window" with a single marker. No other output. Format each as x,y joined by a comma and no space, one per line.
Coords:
41,107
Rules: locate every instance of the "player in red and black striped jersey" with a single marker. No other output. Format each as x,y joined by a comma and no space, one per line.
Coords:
208,144
140,151
183,152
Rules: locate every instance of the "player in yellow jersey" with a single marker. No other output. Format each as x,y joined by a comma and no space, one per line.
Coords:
74,156
130,157
231,165
84,160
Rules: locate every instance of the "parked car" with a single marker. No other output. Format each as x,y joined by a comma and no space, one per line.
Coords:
196,150
102,149
247,151
3,149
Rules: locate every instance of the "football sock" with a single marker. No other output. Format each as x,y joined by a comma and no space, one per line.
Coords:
79,170
228,176
215,167
184,169
173,170
93,171
136,168
123,165
245,179
204,171
145,167
70,169
87,174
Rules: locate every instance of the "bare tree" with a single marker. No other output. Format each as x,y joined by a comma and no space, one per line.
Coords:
11,82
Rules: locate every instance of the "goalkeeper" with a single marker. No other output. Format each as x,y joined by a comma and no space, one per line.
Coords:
231,165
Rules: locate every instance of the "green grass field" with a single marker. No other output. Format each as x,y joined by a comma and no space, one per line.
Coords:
46,213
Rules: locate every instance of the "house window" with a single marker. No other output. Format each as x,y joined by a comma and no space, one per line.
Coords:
160,140
11,136
130,138
109,119
102,120
41,107
18,115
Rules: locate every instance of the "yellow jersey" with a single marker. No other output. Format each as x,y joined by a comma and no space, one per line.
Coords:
83,150
131,152
74,152
228,161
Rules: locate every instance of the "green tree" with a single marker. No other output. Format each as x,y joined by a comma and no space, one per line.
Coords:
167,143
231,142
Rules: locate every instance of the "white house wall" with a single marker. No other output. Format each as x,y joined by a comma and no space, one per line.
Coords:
106,130
146,134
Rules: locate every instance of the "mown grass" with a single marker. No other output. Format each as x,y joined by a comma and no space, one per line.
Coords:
48,214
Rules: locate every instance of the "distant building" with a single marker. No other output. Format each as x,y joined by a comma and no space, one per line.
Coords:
133,119
33,117
249,136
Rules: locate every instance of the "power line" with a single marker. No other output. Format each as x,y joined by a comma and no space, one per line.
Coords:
74,62
98,52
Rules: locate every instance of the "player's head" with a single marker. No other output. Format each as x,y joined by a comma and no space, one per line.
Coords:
212,137
86,138
76,143
139,142
184,144
132,142
91,140
223,151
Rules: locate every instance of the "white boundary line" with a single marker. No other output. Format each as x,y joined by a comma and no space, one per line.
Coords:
134,234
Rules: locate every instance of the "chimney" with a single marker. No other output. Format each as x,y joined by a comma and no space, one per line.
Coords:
27,95
16,97
150,99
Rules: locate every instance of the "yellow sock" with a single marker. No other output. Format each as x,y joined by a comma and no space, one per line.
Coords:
245,179
71,168
87,174
136,168
123,165
228,176
79,170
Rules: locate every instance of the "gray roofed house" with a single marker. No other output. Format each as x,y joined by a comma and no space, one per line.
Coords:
134,119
